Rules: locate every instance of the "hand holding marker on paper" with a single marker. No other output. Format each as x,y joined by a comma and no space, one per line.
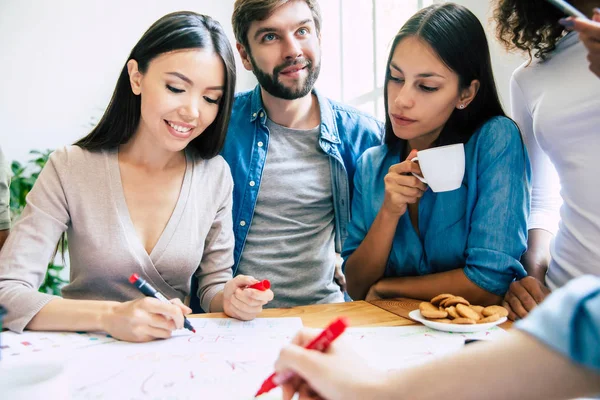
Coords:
320,343
149,291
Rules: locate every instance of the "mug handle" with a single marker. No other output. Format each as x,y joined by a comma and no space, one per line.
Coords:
419,177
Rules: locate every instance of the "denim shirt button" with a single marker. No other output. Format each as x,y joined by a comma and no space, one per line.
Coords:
261,114
242,223
254,115
260,144
252,183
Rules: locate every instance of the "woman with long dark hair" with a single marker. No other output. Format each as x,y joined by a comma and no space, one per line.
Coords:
145,192
405,240
556,103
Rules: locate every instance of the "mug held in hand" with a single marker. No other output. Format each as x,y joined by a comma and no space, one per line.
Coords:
443,167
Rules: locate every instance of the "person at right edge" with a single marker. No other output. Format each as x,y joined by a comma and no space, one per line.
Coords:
555,100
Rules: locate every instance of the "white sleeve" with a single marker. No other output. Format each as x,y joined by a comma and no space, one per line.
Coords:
545,188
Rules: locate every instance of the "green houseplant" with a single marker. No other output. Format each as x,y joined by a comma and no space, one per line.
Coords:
22,181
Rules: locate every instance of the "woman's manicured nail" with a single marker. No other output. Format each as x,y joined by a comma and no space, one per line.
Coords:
567,22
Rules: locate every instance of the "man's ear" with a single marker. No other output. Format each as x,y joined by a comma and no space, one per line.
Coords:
135,77
468,94
244,55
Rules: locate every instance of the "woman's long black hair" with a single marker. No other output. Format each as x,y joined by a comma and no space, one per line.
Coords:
175,31
458,38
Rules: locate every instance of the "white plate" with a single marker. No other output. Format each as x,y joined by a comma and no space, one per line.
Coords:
416,315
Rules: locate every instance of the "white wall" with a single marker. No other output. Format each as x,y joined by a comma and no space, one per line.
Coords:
61,60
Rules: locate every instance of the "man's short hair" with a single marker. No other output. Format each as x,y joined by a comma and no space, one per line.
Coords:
247,11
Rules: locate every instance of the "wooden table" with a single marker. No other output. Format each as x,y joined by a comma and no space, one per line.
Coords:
389,312
360,313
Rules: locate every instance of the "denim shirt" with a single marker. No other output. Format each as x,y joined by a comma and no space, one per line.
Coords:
568,321
345,134
481,226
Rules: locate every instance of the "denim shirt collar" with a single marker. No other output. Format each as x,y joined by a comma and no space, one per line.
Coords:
328,128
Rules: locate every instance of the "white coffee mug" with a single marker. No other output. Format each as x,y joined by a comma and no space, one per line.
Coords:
443,167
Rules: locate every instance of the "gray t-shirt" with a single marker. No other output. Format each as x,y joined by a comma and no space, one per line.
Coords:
291,239
4,194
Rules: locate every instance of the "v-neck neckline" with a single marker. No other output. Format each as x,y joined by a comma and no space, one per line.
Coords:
125,217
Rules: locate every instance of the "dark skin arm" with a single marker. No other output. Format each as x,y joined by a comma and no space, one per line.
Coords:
3,237
524,295
428,286
537,257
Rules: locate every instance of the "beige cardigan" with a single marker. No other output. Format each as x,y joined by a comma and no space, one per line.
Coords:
80,192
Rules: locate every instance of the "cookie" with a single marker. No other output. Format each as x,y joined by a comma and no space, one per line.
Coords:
491,318
428,310
467,312
443,302
501,311
463,321
452,312
452,301
478,309
442,320
437,299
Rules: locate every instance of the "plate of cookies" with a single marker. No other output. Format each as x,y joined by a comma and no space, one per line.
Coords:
450,313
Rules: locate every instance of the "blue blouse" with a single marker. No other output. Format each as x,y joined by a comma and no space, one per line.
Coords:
481,226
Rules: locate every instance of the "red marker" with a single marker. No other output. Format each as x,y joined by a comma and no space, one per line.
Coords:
149,291
262,285
320,343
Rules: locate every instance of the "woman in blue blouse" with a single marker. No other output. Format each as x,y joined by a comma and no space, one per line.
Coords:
407,241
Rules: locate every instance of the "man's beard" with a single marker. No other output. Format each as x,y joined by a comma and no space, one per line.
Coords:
277,89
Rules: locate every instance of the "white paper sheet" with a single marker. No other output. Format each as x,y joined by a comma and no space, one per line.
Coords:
225,359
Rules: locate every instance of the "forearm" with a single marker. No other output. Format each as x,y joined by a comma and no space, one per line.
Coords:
72,315
537,257
216,304
428,286
514,367
3,237
367,264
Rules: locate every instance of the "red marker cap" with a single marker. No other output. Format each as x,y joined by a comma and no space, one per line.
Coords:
133,278
262,285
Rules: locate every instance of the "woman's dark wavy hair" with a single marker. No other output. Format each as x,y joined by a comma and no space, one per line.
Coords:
175,31
531,26
458,38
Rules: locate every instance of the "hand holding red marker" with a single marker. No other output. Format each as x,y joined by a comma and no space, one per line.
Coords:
262,285
319,343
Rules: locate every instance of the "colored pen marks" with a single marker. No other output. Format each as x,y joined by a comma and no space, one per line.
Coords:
26,343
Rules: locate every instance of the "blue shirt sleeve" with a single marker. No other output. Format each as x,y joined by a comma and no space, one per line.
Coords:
498,231
357,228
568,321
